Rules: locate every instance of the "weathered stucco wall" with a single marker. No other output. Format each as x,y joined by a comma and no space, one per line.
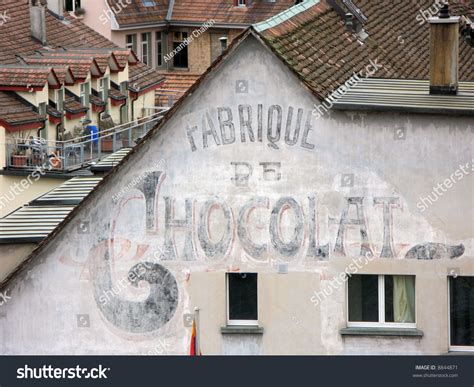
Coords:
191,218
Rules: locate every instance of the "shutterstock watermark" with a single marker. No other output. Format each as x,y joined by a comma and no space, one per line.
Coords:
50,372
425,14
17,189
328,103
4,17
194,35
441,188
115,9
4,297
340,280
136,181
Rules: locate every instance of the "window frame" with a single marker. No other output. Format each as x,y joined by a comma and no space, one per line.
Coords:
183,35
252,323
455,348
381,305
159,53
133,44
148,44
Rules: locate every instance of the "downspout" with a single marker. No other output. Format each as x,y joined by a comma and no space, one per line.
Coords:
166,44
133,105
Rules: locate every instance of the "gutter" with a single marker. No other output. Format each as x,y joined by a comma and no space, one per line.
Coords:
239,26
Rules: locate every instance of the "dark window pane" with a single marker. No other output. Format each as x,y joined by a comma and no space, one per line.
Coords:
180,58
461,290
400,298
243,296
363,298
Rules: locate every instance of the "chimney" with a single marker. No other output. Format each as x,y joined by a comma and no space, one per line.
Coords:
38,20
444,52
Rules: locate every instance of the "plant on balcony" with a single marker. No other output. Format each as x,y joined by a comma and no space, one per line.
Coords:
79,12
19,154
106,128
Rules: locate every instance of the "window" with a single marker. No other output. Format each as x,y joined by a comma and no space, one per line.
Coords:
59,99
159,49
146,48
72,5
148,3
180,59
131,42
461,313
381,300
101,88
83,94
241,3
242,305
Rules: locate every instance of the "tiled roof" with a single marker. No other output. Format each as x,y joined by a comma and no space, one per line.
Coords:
15,112
96,100
142,77
73,106
117,95
316,45
80,67
101,58
174,86
224,11
16,38
52,111
24,76
137,13
196,11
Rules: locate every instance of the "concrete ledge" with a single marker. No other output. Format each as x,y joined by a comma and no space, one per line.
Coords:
242,329
359,331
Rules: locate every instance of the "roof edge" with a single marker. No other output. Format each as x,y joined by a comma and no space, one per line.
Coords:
168,115
285,15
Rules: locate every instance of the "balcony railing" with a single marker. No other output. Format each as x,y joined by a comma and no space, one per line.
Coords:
77,153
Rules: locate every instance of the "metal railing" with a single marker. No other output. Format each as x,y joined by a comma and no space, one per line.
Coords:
79,152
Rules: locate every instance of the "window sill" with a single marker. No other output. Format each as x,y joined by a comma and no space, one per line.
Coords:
242,329
360,331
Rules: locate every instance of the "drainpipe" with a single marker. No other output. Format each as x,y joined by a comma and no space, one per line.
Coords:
133,105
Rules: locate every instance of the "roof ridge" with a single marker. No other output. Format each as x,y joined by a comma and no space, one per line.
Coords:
285,15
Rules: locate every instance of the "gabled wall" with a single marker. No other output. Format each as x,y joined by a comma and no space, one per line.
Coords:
78,283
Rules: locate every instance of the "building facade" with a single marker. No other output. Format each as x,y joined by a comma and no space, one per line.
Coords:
293,230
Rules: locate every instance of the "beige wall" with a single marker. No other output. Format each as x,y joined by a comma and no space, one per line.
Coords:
12,256
12,198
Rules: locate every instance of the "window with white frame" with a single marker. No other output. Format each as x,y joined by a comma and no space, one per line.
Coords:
242,299
82,94
131,42
101,88
59,98
146,47
381,300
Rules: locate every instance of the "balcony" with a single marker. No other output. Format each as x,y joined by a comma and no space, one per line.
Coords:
77,153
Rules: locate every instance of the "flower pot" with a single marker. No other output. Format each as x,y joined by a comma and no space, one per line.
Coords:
56,163
107,144
19,160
